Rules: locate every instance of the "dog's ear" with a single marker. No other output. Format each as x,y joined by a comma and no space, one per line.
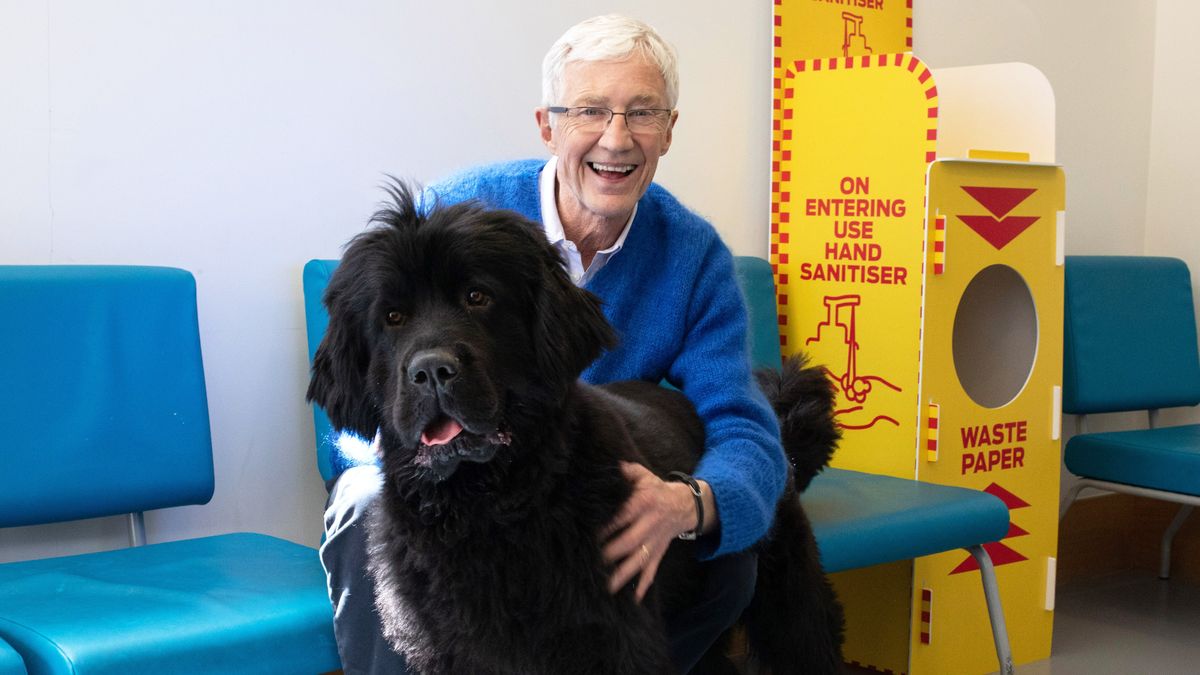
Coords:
570,329
339,370
339,383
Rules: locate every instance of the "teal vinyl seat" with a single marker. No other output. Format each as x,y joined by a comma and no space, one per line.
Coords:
859,519
864,519
10,661
105,411
1130,345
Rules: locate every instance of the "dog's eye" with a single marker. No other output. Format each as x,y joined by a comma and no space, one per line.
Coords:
478,298
394,318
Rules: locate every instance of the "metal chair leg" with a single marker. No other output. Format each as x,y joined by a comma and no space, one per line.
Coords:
136,523
1164,567
991,592
1070,498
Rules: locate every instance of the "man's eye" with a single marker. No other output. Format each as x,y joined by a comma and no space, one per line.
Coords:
394,318
642,114
478,298
593,112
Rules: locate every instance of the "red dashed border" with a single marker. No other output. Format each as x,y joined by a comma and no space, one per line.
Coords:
932,431
939,244
926,616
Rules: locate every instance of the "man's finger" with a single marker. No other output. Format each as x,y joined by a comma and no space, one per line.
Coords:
647,578
626,544
631,469
624,573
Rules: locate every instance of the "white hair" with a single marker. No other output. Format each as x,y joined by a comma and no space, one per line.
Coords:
611,37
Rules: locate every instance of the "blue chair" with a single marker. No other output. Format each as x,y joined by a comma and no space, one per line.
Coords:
105,412
859,519
10,661
1130,344
316,278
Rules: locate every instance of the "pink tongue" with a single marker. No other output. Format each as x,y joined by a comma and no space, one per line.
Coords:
441,432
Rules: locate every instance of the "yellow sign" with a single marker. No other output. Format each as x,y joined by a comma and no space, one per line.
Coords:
853,138
992,366
847,234
807,29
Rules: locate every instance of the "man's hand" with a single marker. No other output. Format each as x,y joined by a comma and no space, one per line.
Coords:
656,512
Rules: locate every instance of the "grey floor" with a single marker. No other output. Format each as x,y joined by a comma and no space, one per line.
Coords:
1130,623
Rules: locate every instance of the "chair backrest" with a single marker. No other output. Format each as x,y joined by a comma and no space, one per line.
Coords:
754,276
758,286
1129,339
103,403
316,319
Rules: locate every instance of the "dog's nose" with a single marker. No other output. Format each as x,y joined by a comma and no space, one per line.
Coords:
433,368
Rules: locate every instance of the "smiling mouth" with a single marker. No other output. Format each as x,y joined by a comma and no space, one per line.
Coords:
612,170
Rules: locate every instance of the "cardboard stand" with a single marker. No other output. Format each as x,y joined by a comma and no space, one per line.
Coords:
927,280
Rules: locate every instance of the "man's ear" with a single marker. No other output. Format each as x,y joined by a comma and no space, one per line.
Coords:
669,135
542,115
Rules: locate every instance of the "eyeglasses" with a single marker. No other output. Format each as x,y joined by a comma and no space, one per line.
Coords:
639,120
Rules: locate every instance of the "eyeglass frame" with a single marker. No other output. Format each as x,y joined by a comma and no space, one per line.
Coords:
565,110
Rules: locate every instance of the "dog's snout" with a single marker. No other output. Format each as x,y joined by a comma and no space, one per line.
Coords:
433,368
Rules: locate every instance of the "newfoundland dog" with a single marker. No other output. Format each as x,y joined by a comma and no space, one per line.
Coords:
457,336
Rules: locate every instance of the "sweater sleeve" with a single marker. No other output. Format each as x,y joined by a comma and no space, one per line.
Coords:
743,461
508,185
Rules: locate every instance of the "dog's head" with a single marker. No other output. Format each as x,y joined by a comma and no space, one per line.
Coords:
449,330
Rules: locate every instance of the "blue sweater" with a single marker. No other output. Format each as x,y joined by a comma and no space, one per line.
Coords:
672,297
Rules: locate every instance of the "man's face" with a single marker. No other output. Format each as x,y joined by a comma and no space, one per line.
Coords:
602,174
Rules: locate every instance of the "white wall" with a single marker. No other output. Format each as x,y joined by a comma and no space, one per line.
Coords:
239,139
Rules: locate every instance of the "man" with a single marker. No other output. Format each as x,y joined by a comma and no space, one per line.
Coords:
610,87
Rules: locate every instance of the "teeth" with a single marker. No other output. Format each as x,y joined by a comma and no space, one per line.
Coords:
616,168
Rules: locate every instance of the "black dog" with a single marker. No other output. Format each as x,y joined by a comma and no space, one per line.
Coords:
459,337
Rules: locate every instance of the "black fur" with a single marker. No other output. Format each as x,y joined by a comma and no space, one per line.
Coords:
791,582
485,549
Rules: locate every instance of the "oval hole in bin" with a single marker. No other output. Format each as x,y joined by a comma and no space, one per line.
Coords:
995,336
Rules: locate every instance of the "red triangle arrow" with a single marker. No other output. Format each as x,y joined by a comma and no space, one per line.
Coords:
1015,530
999,233
999,553
999,200
1010,500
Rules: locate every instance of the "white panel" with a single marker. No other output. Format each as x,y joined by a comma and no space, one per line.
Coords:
1051,579
1056,414
1007,107
1060,243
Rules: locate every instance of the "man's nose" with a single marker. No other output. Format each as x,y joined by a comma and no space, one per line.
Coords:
617,134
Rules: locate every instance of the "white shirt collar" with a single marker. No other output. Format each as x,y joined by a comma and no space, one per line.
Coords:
556,236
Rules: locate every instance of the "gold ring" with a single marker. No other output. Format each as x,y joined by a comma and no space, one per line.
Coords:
645,554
